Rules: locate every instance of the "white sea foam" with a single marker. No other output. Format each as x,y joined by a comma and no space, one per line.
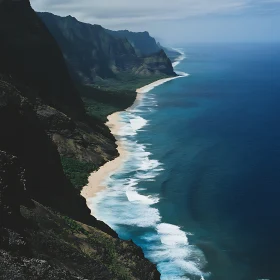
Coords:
148,164
137,123
134,196
189,266
172,235
180,58
123,205
182,74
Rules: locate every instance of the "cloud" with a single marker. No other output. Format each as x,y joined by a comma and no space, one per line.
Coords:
118,13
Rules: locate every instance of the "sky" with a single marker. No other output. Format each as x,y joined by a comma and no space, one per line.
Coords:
178,21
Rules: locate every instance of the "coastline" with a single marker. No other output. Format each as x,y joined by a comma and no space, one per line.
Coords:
96,181
122,202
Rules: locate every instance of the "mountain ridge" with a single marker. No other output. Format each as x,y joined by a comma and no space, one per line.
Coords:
107,56
143,43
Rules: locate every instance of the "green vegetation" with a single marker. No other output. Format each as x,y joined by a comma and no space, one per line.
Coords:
45,107
127,81
111,257
74,226
101,103
76,171
143,43
99,110
98,56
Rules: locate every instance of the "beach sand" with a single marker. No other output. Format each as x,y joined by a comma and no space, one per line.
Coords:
96,181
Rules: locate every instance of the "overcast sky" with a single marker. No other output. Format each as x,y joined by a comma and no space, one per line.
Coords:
178,21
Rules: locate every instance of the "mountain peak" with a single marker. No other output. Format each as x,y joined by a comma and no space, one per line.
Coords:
71,17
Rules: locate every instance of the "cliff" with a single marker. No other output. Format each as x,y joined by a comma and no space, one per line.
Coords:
96,57
26,45
27,53
173,54
143,43
46,230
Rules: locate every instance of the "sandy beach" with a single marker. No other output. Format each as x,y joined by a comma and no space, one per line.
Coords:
96,181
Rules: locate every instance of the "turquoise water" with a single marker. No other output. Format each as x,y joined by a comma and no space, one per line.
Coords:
200,190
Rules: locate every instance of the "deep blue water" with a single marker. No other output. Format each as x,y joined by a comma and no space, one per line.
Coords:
200,191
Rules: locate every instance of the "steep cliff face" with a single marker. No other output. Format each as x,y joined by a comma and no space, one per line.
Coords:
37,242
90,52
93,54
27,51
173,54
143,43
30,54
24,137
28,120
158,63
39,104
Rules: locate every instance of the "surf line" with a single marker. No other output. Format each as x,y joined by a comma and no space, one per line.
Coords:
96,181
118,201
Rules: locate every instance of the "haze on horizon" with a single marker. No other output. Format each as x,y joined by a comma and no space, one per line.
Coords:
178,21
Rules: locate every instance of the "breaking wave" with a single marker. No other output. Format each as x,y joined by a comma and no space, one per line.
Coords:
131,209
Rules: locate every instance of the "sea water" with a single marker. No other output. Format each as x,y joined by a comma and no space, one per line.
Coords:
200,189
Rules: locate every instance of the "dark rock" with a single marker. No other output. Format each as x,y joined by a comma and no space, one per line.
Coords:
12,182
28,52
37,102
23,136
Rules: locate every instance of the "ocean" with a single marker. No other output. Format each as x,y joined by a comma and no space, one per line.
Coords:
200,190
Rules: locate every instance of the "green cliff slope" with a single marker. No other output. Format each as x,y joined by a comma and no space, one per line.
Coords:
96,57
142,42
46,230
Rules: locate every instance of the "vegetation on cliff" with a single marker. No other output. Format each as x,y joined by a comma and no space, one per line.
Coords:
46,230
107,70
94,56
77,171
142,42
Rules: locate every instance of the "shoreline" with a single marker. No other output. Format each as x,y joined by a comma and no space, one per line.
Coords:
96,181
